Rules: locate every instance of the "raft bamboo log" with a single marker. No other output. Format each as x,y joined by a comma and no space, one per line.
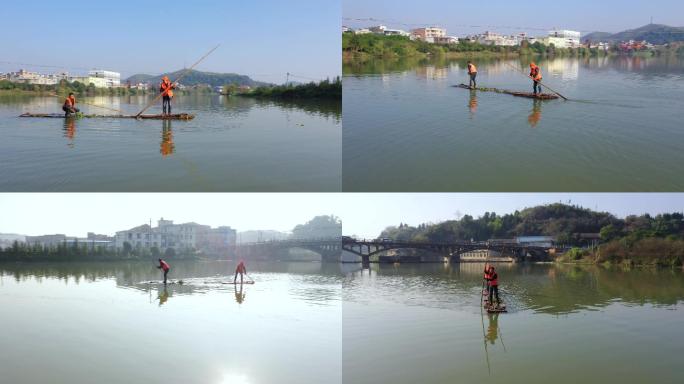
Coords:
530,95
177,80
542,84
178,116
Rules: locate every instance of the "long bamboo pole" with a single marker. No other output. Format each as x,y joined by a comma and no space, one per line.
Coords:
95,105
544,85
177,80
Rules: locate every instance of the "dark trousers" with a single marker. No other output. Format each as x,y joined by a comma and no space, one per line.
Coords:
537,85
494,290
236,275
166,273
166,104
473,80
69,110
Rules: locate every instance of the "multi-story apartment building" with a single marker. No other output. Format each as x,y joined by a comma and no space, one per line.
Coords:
178,236
428,34
563,39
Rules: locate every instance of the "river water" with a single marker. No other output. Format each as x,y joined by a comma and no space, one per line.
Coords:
406,128
233,144
106,323
566,324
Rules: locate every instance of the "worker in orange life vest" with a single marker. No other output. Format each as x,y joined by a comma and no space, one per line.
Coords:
69,106
241,269
163,265
472,71
536,75
493,284
166,89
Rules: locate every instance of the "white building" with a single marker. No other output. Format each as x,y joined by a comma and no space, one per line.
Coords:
109,79
493,38
178,236
362,31
563,39
428,34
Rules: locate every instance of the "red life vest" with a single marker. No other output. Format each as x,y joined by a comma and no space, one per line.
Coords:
241,268
166,88
164,265
493,279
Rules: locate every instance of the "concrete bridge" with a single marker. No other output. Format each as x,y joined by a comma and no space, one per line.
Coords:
329,249
451,251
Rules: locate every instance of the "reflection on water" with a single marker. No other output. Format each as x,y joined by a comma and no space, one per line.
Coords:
536,114
233,144
618,132
167,146
118,320
472,103
425,323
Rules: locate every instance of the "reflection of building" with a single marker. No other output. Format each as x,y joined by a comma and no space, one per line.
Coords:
430,72
178,236
567,69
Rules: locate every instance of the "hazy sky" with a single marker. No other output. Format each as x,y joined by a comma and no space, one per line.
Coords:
458,16
261,38
364,215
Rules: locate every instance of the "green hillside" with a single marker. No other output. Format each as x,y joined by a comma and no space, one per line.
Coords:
199,77
653,33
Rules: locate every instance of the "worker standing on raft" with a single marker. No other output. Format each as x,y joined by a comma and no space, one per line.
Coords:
241,269
536,75
472,71
69,106
492,284
166,89
164,266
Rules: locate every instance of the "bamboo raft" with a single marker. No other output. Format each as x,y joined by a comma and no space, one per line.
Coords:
178,116
530,95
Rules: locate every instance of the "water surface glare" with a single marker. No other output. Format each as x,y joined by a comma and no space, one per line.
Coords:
106,323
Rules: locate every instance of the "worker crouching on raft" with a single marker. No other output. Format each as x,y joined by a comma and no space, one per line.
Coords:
163,265
166,89
69,106
492,279
241,269
536,75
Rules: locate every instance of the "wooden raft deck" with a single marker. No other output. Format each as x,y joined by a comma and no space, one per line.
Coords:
530,95
178,116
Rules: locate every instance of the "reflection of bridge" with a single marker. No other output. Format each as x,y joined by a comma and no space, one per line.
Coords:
452,251
329,249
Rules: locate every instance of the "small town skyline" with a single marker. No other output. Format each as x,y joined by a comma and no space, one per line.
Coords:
463,18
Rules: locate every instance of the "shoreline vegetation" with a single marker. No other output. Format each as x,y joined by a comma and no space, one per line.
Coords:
373,46
633,241
325,89
63,88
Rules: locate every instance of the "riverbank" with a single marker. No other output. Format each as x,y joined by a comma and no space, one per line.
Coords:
646,252
326,89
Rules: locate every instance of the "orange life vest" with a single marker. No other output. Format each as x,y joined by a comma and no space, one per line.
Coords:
535,73
472,68
70,102
166,88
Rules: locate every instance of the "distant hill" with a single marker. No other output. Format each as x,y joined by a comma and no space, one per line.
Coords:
198,77
653,33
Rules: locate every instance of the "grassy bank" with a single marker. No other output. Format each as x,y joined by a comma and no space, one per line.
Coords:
325,89
657,252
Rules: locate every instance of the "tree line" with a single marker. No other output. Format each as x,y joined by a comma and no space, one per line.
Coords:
643,239
325,89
